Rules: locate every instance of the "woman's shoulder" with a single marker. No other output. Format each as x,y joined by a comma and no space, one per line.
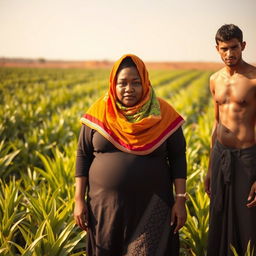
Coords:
167,108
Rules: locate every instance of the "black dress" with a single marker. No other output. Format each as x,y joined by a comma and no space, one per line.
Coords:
130,196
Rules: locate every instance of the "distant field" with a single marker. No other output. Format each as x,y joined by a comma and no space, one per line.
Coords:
42,63
39,125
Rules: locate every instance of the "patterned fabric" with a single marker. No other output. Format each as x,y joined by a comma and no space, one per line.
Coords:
151,234
150,108
139,129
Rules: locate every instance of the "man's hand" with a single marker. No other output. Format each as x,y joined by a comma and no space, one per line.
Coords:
252,196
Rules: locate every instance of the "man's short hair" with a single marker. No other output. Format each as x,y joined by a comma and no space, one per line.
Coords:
228,32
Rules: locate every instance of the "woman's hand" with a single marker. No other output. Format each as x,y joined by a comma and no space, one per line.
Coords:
252,196
207,184
81,214
179,214
80,211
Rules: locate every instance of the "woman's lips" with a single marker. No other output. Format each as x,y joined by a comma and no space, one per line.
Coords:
129,97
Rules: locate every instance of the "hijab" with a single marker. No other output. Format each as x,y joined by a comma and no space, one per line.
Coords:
139,129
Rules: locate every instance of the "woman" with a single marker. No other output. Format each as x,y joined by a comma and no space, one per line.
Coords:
131,151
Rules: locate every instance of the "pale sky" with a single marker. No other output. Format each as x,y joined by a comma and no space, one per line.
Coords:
155,30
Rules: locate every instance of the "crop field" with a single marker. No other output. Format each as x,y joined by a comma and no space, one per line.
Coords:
40,112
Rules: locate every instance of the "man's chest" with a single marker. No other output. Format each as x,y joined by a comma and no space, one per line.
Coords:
238,90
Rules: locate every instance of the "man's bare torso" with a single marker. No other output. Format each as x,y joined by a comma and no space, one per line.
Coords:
235,104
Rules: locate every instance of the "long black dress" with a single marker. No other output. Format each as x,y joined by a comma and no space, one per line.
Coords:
129,196
231,222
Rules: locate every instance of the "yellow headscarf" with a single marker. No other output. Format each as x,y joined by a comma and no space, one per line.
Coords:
138,137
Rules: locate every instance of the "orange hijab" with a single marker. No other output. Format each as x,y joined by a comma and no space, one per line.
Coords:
140,137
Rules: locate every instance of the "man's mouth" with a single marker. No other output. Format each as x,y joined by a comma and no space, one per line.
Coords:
230,59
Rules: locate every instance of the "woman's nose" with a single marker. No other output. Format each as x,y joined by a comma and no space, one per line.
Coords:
129,87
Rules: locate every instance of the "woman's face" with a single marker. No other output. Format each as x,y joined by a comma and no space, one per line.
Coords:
129,87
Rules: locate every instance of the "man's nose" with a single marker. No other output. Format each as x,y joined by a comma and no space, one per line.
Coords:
229,52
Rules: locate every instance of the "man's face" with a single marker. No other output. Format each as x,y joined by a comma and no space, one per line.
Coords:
230,51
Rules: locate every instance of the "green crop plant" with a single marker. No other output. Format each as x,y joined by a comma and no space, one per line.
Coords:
40,111
7,154
11,214
249,250
181,80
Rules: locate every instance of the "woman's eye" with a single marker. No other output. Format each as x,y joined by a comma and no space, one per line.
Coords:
121,83
137,83
134,84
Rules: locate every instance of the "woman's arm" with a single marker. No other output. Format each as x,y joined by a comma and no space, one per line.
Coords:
179,214
178,166
84,159
80,210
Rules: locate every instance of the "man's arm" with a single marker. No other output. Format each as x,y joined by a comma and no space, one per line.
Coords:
255,132
251,200
207,180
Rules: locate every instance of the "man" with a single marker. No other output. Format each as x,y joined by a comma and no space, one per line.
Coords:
231,178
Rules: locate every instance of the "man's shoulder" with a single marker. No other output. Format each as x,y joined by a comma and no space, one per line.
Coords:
215,75
251,71
213,78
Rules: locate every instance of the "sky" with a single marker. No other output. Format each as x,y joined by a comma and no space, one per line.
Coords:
155,30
